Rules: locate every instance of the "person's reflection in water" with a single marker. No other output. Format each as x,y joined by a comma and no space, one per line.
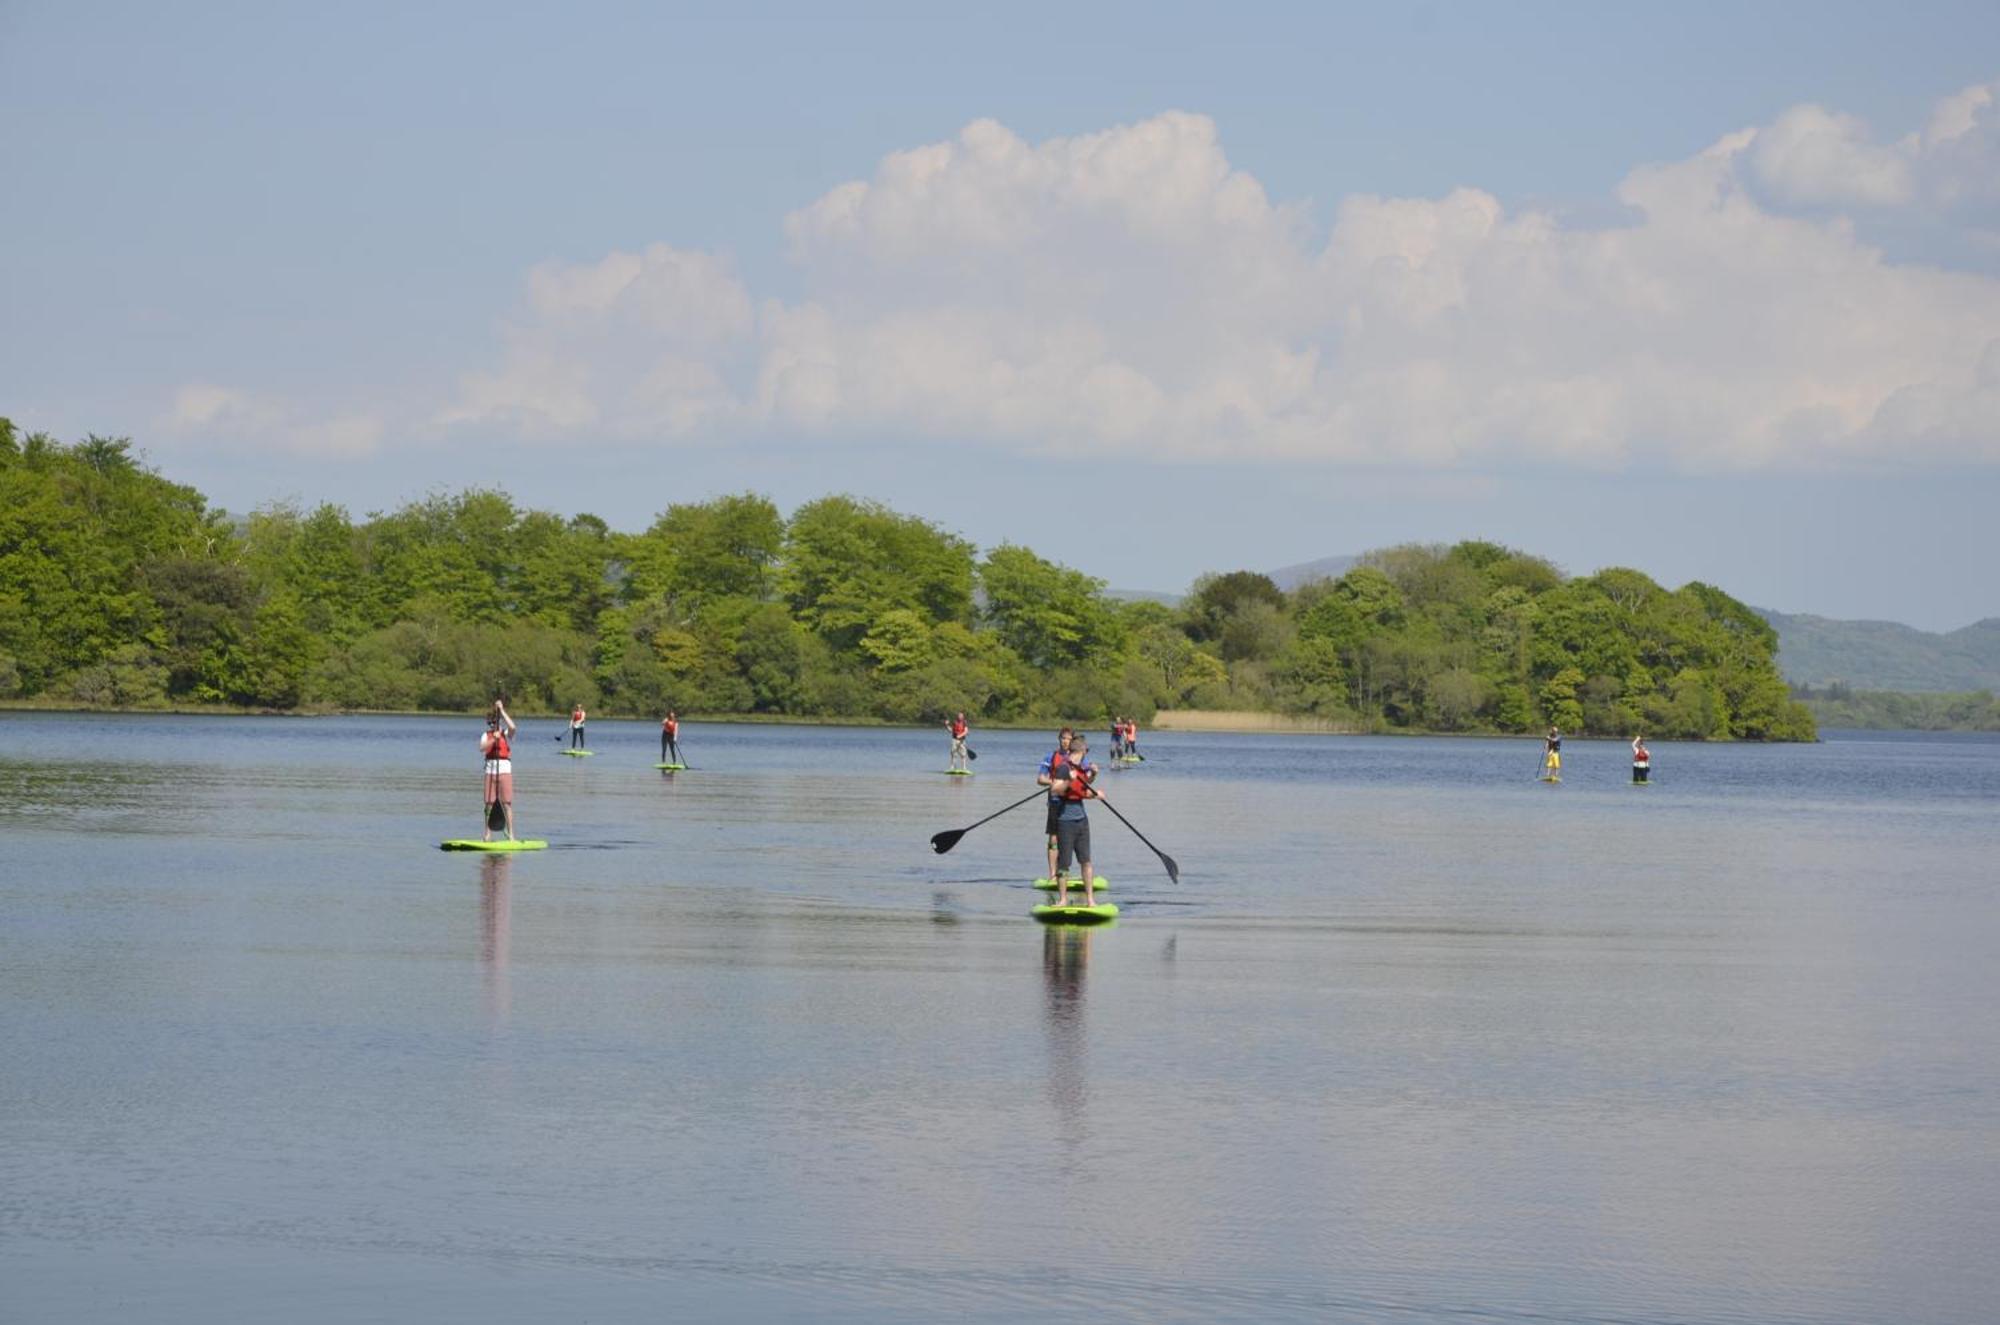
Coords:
1065,954
496,918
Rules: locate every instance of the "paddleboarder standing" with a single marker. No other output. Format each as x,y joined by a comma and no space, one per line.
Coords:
496,750
670,738
958,729
1642,760
1131,738
1552,755
1051,769
576,716
1072,782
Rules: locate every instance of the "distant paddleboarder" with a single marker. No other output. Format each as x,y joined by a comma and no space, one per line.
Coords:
496,749
576,717
670,738
1131,738
1073,784
1552,755
1117,737
1642,760
958,729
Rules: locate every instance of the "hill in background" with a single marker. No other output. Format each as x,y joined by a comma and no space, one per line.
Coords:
1885,655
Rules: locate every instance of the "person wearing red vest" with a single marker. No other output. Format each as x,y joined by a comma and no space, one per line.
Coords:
496,750
1073,783
958,729
576,718
1642,760
670,738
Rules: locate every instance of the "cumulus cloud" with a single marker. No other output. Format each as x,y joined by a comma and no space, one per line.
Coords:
1131,291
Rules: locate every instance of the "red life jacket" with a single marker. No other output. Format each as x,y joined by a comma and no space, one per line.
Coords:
670,726
1077,781
959,729
499,749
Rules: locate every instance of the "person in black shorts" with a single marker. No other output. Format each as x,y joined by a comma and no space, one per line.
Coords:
1051,769
1072,824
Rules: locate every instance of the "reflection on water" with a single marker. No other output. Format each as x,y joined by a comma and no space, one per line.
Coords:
496,939
1065,957
1414,1040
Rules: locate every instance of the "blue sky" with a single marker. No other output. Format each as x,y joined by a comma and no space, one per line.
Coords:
1713,291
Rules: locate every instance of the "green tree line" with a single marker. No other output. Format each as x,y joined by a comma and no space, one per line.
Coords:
121,587
1838,705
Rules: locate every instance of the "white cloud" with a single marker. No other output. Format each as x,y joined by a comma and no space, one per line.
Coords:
1813,157
1131,291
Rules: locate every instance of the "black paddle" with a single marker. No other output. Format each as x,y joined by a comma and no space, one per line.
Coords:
1173,870
971,753
945,841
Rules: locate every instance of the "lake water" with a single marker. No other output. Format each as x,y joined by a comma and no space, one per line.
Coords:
1416,1037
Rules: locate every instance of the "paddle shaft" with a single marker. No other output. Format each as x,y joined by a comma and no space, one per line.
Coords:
1173,870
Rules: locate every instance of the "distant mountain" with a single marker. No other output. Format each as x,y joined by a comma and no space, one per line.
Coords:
1289,578
1883,655
1144,596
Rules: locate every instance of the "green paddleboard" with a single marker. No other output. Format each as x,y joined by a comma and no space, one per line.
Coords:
671,768
958,772
1076,915
1075,885
498,844
579,754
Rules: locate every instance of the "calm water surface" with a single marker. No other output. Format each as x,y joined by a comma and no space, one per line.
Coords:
1417,1038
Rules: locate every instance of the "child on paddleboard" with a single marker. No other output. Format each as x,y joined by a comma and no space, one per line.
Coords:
1072,783
959,729
496,751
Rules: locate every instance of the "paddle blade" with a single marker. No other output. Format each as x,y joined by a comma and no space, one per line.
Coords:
971,753
496,817
945,841
1173,870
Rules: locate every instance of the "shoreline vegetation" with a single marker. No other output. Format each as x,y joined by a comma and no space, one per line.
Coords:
1898,710
123,590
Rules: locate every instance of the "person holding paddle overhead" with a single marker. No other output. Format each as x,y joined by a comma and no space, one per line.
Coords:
1072,782
1642,760
958,729
576,716
1552,755
1051,769
670,738
496,750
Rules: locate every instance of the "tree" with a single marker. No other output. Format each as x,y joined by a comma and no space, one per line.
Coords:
1047,614
847,561
728,547
1216,599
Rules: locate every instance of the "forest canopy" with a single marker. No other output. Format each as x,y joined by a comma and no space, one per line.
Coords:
120,587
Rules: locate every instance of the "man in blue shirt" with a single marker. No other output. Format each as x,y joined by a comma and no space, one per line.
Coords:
1051,769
